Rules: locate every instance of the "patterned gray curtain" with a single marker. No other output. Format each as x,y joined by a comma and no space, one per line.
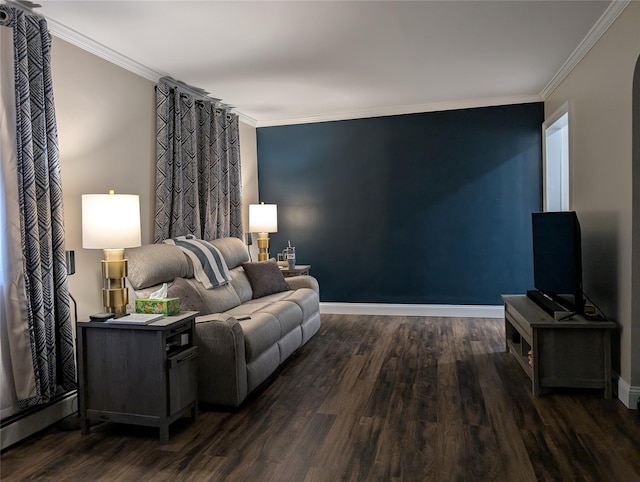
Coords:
198,182
47,316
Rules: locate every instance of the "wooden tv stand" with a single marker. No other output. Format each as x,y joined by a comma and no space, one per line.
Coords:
573,353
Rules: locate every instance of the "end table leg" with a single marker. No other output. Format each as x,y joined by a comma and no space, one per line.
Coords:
536,363
607,365
85,425
164,434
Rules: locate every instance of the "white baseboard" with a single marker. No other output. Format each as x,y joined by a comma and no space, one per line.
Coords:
628,394
26,426
462,311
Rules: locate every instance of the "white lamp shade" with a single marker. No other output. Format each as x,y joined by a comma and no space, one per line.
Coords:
110,221
263,218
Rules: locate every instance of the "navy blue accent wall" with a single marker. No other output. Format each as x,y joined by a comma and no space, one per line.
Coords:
420,208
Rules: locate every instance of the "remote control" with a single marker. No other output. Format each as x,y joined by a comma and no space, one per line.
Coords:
101,316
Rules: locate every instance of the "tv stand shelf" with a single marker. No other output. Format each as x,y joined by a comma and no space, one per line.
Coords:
573,353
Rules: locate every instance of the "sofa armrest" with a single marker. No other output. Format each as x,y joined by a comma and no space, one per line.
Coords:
222,369
297,282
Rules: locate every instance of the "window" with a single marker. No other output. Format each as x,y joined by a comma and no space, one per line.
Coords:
556,160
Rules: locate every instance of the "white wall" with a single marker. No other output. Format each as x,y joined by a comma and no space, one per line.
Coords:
106,129
599,92
249,158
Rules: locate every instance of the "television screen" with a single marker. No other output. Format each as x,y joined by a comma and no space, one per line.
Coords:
557,257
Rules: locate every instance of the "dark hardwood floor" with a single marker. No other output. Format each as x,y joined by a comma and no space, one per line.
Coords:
369,398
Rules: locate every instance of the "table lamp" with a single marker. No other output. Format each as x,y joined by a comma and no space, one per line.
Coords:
263,219
111,222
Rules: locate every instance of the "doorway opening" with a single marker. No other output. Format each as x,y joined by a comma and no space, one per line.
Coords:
556,160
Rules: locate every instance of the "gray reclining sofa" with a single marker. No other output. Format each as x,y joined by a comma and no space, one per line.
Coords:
246,328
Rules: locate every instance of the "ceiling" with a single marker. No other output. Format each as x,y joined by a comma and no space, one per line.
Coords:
282,62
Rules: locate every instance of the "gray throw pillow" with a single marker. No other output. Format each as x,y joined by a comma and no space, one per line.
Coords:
265,278
190,299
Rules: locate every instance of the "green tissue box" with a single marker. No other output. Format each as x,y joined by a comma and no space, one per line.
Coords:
166,306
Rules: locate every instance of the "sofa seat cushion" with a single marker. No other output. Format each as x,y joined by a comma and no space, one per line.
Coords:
220,299
288,314
306,298
261,331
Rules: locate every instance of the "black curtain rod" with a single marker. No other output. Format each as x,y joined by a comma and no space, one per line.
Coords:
185,90
196,92
24,6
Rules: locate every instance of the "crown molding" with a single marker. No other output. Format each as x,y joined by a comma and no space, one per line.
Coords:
404,109
96,48
246,119
613,11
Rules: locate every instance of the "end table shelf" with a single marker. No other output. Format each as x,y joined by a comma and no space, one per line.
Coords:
572,353
138,374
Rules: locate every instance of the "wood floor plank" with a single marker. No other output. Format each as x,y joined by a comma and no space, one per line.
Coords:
498,401
370,398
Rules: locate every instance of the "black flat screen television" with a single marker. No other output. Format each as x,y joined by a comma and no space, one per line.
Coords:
557,258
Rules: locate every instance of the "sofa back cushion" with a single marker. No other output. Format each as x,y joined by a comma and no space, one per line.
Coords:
241,284
220,299
233,250
154,264
187,291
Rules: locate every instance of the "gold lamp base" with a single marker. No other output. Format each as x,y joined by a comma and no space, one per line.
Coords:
115,295
263,246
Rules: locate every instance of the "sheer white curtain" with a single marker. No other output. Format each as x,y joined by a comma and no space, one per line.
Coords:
18,377
8,400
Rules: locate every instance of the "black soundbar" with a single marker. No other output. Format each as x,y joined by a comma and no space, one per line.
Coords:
548,304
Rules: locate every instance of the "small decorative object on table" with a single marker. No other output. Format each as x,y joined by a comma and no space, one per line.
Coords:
290,256
158,303
167,306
